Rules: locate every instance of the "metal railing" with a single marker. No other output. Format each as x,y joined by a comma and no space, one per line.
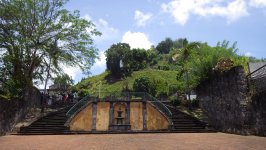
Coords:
130,96
159,105
257,76
78,105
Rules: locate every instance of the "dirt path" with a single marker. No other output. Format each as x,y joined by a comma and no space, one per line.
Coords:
172,141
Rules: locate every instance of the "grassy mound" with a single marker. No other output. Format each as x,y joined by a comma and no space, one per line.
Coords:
164,81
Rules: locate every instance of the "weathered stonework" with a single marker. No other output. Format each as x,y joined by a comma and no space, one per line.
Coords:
229,105
12,111
258,115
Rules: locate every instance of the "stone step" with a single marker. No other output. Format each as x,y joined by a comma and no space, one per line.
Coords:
187,124
52,120
46,127
42,130
45,123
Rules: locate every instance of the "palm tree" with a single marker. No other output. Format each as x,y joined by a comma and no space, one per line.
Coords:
182,55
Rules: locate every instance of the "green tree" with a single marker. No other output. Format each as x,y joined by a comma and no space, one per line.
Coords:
165,46
183,55
152,56
207,58
117,56
64,79
178,43
36,36
139,59
143,84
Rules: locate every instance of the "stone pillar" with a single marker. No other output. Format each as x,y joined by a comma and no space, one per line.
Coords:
127,113
144,109
94,115
111,114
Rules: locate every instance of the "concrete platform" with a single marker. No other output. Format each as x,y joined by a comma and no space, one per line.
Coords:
156,141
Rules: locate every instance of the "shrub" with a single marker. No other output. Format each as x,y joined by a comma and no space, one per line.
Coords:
143,84
195,103
175,101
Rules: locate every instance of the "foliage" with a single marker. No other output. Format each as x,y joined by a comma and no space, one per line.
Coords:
184,54
139,59
204,62
152,57
39,34
254,59
192,62
196,61
165,46
195,103
64,79
175,101
162,77
143,84
116,56
121,60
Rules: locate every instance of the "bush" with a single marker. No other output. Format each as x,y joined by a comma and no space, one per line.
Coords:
143,84
195,103
175,101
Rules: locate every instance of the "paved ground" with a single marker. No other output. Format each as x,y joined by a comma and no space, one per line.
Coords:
169,141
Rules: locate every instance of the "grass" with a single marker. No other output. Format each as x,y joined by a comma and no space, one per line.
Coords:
107,84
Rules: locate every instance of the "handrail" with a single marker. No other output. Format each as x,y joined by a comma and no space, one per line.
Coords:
123,96
78,105
160,105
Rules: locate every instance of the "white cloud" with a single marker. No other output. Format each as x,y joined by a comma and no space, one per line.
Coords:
142,18
136,40
108,32
257,3
248,54
87,17
100,64
72,71
181,10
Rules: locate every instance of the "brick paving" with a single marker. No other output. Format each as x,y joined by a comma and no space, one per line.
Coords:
163,141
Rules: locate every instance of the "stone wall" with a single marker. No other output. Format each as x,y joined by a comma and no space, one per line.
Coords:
258,113
230,106
224,99
12,111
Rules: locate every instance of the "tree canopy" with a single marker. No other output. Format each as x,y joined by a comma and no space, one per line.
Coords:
116,57
165,46
64,79
40,34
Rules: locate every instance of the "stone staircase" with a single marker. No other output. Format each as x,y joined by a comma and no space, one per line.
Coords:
53,123
185,123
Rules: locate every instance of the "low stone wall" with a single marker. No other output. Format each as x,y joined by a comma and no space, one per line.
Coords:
12,111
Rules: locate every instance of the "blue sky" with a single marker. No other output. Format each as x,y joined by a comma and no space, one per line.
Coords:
143,23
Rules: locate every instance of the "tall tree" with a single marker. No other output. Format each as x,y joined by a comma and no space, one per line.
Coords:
63,79
40,34
117,57
139,59
182,55
165,46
